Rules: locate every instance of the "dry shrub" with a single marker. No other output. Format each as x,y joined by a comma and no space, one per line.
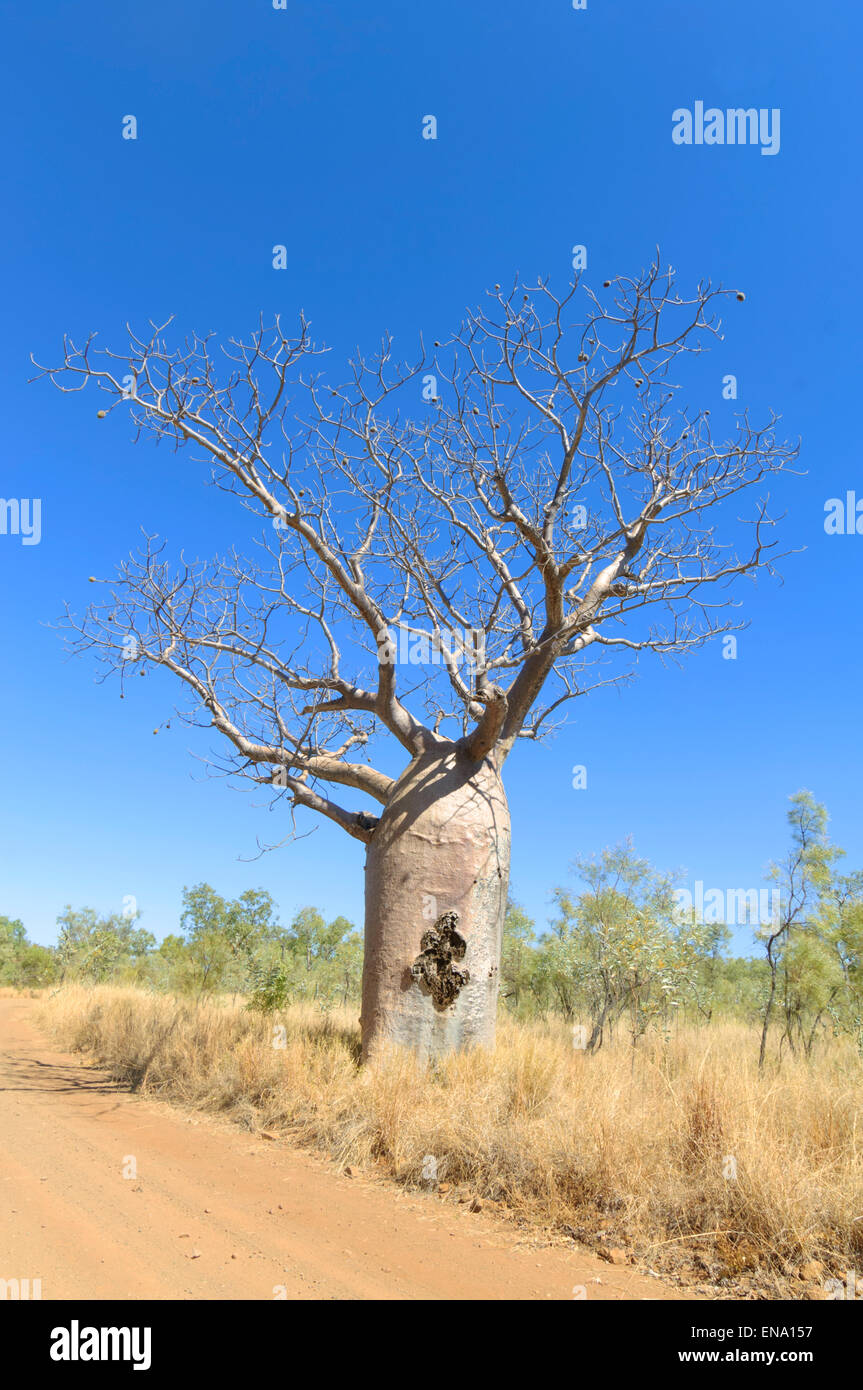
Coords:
634,1146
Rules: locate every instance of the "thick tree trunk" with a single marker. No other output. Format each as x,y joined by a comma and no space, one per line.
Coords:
441,847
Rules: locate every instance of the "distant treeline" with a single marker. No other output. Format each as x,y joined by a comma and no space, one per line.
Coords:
618,955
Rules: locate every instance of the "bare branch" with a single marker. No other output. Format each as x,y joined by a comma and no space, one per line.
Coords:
472,547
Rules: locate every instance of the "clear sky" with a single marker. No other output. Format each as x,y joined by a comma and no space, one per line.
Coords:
303,126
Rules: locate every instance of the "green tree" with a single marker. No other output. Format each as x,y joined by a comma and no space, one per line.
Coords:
518,973
798,966
12,939
842,908
224,936
22,962
95,947
619,949
313,959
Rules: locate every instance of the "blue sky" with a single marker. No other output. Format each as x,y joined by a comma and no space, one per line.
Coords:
303,127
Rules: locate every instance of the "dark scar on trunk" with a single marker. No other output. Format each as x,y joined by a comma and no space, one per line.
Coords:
434,970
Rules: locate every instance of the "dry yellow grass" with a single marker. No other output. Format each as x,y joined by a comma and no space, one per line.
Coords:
635,1147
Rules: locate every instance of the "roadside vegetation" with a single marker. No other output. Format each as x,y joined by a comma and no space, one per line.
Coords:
651,1096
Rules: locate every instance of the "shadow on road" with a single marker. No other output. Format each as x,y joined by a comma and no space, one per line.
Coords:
23,1073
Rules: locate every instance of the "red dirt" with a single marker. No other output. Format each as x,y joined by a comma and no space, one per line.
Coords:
218,1213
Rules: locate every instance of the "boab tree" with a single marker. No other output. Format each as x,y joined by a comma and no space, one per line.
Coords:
455,548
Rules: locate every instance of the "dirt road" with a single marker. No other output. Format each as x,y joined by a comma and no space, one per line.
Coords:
212,1212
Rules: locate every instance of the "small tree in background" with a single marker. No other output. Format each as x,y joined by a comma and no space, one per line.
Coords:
619,950
842,925
96,947
312,960
518,956
223,936
804,970
23,963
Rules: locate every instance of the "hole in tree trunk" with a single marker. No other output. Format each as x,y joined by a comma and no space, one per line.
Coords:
434,969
